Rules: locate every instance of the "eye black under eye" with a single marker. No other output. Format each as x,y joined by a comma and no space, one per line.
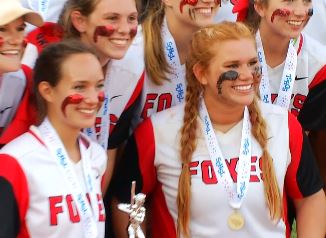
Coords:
229,75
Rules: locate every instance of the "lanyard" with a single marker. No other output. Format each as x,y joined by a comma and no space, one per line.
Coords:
288,76
42,7
58,152
235,195
177,75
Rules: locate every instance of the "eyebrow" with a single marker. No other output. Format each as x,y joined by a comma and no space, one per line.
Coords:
238,61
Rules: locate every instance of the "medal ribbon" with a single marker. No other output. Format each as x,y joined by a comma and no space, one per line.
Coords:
235,195
57,150
42,7
177,75
288,77
103,113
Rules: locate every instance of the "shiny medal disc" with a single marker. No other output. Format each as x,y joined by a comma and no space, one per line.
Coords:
236,221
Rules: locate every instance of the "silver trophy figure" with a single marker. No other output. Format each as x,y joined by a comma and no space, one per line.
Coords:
136,212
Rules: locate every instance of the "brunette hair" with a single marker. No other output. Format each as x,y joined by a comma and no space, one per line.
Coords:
202,55
253,19
48,67
85,7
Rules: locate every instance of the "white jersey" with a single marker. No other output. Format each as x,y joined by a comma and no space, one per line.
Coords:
225,12
44,200
156,143
316,27
49,9
310,74
12,88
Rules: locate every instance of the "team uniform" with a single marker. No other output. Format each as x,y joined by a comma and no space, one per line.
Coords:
225,11
309,89
152,159
49,9
124,80
38,200
16,111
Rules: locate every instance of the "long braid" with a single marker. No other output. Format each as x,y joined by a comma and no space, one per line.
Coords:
188,145
271,189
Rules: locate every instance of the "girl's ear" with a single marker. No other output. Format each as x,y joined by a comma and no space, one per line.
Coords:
199,73
46,91
259,8
78,21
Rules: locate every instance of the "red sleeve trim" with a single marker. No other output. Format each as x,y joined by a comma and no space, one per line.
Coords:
137,91
300,44
319,77
14,174
144,137
295,145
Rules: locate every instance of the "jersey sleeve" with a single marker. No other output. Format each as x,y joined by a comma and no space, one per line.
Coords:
302,178
13,198
136,164
312,116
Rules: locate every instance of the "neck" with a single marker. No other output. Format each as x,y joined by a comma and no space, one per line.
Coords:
68,136
275,46
182,34
223,116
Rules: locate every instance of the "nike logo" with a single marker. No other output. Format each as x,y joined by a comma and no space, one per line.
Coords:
270,138
115,97
5,109
300,78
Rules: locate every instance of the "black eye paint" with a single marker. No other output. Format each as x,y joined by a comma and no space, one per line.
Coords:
228,75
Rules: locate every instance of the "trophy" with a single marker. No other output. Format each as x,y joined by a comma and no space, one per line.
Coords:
136,212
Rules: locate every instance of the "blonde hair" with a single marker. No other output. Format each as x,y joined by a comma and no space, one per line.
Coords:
202,55
155,62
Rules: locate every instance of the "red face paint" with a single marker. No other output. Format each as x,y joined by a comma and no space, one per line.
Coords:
281,13
187,2
101,96
1,41
218,2
103,31
72,99
25,43
133,32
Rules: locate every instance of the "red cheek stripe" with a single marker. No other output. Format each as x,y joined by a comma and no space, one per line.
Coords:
72,99
103,31
281,13
101,96
133,32
1,41
187,2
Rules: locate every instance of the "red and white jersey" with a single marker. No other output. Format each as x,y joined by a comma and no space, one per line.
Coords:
39,199
49,9
314,28
310,78
225,11
152,159
16,111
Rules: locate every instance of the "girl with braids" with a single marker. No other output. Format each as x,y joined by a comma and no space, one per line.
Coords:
294,65
219,165
15,79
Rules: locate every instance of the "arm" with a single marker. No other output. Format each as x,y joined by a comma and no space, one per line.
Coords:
311,216
109,169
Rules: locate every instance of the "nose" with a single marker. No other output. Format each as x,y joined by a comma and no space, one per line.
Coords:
92,96
123,27
245,73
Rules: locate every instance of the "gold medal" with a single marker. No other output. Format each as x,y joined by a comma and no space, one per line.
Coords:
236,221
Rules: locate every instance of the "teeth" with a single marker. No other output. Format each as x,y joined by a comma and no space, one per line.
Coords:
10,52
88,111
204,10
120,42
295,23
243,87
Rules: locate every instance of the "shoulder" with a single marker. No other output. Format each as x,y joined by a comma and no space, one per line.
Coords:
314,50
169,117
